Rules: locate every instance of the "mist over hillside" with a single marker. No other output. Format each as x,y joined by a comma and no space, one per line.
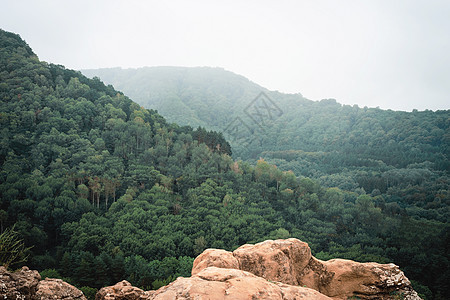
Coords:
214,98
340,145
200,96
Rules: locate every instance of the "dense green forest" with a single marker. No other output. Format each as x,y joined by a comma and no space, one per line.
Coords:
103,189
403,156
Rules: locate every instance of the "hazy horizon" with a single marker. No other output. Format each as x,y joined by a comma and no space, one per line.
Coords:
392,55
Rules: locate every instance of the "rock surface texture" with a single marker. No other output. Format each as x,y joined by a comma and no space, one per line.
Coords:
123,291
18,285
218,283
51,288
290,262
26,284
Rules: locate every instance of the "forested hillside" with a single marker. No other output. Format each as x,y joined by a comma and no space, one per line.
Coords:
214,97
189,96
104,190
403,156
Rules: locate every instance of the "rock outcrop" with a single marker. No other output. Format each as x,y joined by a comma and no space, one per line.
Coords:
213,283
218,283
281,269
123,291
278,270
26,284
290,262
365,280
18,285
57,289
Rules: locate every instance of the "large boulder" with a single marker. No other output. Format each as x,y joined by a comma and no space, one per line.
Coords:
26,284
277,260
366,280
57,289
21,284
122,291
290,262
214,257
214,283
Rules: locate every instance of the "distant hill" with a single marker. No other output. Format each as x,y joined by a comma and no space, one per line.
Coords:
313,138
214,98
200,96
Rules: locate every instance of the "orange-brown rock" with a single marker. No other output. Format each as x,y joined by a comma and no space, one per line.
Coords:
51,288
21,284
217,283
275,260
281,269
215,257
122,291
26,284
290,262
365,280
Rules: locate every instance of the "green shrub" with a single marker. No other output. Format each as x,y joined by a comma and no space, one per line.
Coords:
50,273
89,292
12,248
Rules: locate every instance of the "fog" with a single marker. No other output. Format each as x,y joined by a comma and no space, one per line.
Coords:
391,54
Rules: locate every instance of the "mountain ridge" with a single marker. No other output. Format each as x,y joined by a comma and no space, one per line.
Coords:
323,139
193,96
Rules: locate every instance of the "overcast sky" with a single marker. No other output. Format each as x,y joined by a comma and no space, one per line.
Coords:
388,53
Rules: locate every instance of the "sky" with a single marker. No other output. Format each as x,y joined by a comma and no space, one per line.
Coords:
392,54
